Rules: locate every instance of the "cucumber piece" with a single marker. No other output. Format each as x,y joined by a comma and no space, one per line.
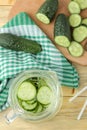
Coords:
47,11
31,101
34,81
16,43
39,108
28,106
82,3
62,33
74,20
26,91
80,33
19,101
44,95
73,7
41,82
76,49
84,21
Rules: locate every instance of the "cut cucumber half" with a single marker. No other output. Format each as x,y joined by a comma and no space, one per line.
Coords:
47,11
73,7
28,106
44,95
75,49
74,20
62,41
31,101
39,108
62,32
26,91
80,33
43,18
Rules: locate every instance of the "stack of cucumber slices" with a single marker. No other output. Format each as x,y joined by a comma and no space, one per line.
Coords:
78,25
34,95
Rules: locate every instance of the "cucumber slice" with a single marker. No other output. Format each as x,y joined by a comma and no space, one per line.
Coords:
47,11
44,95
82,3
31,101
73,7
39,108
62,41
41,82
43,18
80,33
84,21
75,49
75,20
28,106
62,33
26,91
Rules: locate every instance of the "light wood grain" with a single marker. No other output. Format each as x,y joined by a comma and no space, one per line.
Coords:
4,11
64,120
7,2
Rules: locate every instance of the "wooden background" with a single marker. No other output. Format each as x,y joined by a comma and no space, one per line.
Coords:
66,118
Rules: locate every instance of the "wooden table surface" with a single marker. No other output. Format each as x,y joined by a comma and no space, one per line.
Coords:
66,118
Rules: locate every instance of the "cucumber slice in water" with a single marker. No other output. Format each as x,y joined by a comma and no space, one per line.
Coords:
44,95
26,91
28,106
39,108
75,49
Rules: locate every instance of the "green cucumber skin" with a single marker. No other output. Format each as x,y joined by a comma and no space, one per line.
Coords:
62,27
49,8
16,43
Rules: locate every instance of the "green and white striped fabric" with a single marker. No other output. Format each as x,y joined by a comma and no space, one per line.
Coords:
12,62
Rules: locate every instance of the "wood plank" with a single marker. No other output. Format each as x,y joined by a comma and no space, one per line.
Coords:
7,2
4,11
64,120
82,71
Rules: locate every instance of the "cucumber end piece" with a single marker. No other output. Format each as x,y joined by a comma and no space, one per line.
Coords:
43,18
62,41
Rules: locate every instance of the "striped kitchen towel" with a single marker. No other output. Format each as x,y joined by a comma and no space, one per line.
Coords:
12,62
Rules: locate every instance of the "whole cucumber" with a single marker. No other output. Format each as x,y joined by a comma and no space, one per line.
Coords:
17,43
